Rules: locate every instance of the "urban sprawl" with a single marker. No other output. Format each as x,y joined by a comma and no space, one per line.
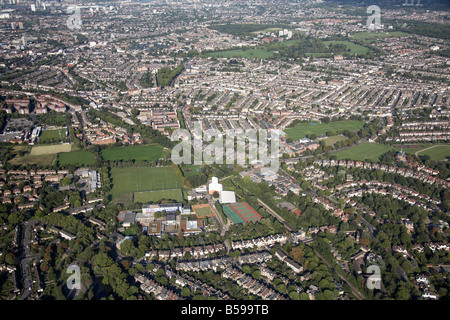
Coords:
93,92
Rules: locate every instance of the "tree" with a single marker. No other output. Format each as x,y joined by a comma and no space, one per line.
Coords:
297,253
256,274
127,247
65,181
294,295
246,269
11,259
185,292
402,292
281,288
303,296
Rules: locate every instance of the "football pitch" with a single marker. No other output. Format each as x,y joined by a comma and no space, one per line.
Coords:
300,130
50,149
53,136
156,195
126,180
364,151
138,153
80,157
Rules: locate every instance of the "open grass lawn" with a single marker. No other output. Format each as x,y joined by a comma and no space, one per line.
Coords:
437,153
249,53
50,149
40,160
81,157
138,153
302,129
373,36
364,151
191,170
154,196
330,141
53,136
128,180
354,48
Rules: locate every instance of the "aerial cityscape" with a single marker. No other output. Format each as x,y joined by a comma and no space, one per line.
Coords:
224,150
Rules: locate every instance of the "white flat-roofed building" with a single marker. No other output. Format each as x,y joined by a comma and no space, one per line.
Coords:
227,197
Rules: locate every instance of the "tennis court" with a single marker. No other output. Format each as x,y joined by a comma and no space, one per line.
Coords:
232,215
242,212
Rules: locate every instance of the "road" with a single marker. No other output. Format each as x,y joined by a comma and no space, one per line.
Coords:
25,259
224,227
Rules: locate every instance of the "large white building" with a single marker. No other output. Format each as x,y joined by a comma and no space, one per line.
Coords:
227,197
214,186
150,209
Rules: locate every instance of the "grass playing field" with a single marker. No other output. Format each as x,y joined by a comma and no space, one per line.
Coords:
81,157
249,53
138,153
154,196
51,149
373,36
40,160
191,170
127,180
53,136
302,129
364,151
354,48
332,140
437,153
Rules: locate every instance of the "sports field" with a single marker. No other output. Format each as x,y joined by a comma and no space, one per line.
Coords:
364,151
300,130
81,157
53,136
241,212
240,53
437,153
232,215
203,210
51,149
154,196
127,180
373,36
40,160
191,170
138,153
353,47
330,141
